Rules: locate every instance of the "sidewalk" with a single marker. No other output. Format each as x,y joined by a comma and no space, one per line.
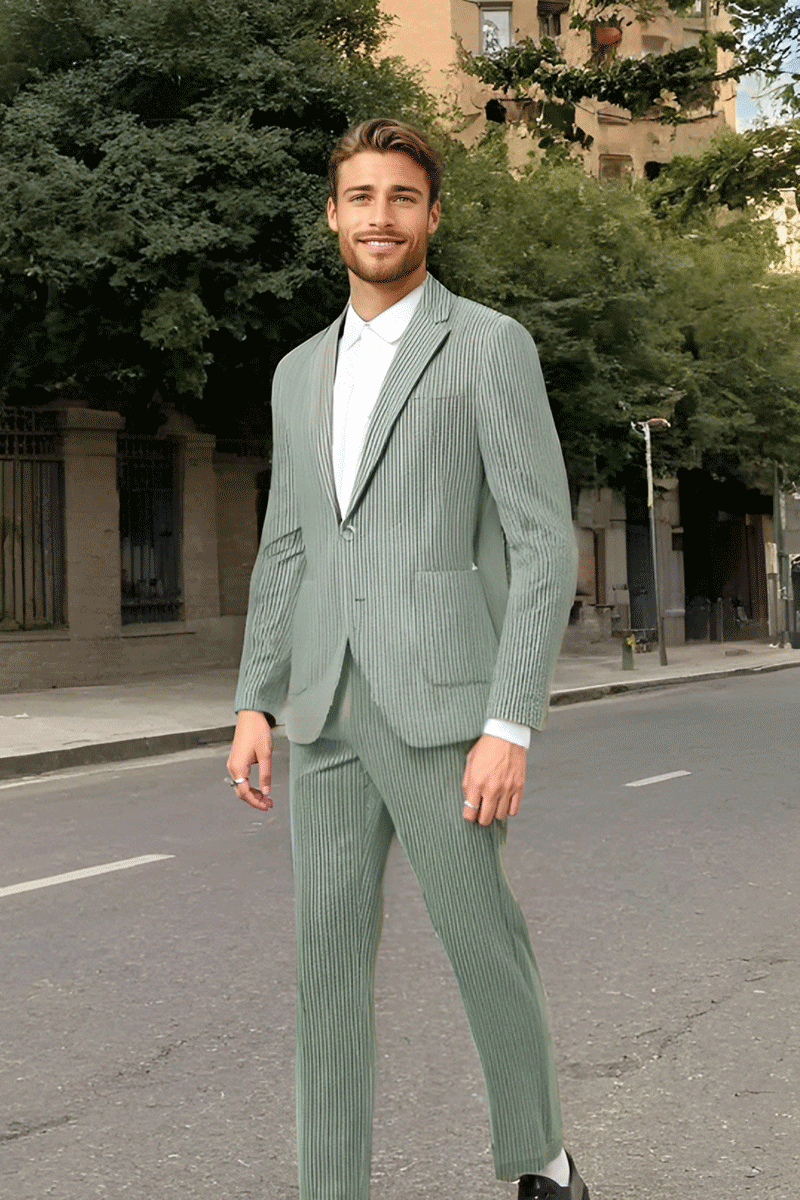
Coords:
75,726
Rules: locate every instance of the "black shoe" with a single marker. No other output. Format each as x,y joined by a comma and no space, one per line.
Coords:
539,1187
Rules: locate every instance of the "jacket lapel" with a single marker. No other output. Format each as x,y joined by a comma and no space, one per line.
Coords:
427,330
323,369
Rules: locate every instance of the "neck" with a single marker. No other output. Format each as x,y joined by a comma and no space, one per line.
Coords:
371,299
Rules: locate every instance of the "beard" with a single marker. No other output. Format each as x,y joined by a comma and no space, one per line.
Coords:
379,272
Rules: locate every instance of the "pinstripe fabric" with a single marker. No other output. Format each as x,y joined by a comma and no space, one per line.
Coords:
350,790
460,451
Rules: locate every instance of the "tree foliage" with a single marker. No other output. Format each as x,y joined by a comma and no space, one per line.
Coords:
162,183
736,170
162,176
769,31
633,317
668,87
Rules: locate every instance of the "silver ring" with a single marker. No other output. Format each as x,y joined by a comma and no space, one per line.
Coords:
474,807
234,782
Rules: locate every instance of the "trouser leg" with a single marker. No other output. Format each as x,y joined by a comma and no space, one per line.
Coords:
341,833
459,869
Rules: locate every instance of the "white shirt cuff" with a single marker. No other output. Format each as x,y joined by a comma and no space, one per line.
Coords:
510,731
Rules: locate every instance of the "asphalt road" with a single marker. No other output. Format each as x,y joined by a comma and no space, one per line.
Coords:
147,1013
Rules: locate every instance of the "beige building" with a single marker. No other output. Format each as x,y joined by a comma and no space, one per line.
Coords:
426,33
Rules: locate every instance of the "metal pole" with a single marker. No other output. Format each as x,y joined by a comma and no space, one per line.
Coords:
783,589
662,648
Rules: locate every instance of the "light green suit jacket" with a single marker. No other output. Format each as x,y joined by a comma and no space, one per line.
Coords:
452,572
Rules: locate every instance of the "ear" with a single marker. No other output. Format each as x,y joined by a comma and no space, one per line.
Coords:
433,216
331,211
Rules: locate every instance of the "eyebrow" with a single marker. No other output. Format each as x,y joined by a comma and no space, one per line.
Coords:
368,187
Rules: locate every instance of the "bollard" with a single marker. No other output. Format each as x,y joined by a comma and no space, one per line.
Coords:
628,646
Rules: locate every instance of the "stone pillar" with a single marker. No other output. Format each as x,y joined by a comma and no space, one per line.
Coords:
617,560
667,513
91,521
237,532
199,526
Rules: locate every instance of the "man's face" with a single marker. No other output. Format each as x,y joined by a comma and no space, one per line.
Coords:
382,216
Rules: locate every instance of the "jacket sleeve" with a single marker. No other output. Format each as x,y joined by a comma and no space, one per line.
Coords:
525,473
279,568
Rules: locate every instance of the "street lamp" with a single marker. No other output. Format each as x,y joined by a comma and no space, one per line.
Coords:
645,427
782,615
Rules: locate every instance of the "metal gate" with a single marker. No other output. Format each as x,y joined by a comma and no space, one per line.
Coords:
148,530
31,521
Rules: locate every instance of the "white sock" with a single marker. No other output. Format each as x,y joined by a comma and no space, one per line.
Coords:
557,1170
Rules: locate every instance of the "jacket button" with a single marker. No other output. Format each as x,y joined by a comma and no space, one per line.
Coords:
348,533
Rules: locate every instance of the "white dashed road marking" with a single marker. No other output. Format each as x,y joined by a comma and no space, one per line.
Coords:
657,778
85,873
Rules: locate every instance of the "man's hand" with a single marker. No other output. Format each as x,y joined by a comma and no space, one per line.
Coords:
252,743
493,780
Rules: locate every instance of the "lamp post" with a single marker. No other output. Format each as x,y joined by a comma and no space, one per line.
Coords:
784,580
645,428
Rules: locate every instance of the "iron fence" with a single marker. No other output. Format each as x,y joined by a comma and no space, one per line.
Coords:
31,521
148,530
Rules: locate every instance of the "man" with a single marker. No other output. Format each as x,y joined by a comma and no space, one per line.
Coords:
406,609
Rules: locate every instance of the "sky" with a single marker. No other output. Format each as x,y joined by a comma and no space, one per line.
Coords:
752,102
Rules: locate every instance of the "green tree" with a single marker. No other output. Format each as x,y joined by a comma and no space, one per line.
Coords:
162,176
740,408
161,238
666,87
633,316
738,169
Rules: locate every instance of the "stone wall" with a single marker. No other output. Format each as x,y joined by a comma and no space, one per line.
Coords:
218,542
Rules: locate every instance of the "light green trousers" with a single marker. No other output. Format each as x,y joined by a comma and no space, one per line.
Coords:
350,791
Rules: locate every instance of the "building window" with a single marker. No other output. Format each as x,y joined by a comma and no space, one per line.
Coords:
148,529
550,14
495,28
495,112
615,166
655,45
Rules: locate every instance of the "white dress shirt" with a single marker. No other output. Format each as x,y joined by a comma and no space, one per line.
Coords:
366,350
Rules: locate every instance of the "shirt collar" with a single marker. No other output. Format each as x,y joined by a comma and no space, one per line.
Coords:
390,325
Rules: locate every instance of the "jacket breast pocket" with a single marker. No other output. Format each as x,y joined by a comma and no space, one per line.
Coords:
456,639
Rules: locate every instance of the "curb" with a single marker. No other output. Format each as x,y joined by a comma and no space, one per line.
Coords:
602,691
18,766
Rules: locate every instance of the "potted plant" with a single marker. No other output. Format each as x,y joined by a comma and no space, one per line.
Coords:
607,35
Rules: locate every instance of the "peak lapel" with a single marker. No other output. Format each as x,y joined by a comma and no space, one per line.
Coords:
323,370
427,329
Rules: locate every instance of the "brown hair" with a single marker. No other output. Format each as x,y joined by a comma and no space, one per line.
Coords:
383,135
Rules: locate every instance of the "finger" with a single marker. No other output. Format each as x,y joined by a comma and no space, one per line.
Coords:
250,795
265,772
470,811
502,809
243,790
472,796
472,802
516,800
254,798
487,811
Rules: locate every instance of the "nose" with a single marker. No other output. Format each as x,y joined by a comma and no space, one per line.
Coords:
382,212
